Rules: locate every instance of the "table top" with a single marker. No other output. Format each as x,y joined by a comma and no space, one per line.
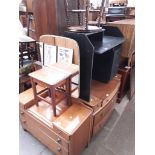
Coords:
55,73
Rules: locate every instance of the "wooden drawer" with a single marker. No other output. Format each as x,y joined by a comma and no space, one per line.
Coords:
99,126
22,119
97,107
30,122
99,116
61,133
95,103
47,140
110,96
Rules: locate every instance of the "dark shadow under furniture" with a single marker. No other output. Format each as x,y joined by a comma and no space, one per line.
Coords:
99,56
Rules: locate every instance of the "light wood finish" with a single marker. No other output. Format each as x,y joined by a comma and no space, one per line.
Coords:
71,69
71,119
59,73
51,78
78,121
99,126
98,115
26,98
66,43
103,99
102,93
102,115
62,42
127,27
44,134
59,133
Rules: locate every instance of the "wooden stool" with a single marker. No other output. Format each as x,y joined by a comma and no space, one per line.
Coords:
51,79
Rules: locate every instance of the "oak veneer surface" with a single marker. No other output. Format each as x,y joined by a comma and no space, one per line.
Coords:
68,119
127,27
49,76
102,91
45,111
26,98
72,118
67,133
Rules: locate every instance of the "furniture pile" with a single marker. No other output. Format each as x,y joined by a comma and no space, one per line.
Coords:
54,110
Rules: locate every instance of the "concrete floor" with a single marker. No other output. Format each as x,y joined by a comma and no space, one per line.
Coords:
116,138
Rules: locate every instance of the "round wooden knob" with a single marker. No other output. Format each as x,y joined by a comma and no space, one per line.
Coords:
22,113
59,149
58,140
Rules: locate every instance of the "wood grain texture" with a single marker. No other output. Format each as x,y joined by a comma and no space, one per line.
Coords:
45,17
62,42
127,27
50,16
40,122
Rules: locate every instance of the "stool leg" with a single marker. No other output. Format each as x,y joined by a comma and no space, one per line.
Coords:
52,96
68,91
34,92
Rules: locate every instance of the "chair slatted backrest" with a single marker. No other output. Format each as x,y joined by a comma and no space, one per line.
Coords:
62,42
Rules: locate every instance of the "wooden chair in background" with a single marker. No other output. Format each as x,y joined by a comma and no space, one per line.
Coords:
81,21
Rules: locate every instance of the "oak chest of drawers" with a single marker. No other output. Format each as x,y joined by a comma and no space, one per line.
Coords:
102,102
66,134
71,130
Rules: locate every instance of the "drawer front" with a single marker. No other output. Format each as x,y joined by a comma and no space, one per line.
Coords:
110,96
99,116
61,133
22,119
98,127
97,107
49,132
33,122
47,140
